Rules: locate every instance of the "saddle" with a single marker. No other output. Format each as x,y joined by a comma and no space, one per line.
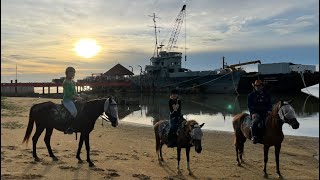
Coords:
61,114
164,129
248,122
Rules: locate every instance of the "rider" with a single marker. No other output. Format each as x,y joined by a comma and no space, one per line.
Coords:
175,114
69,95
259,105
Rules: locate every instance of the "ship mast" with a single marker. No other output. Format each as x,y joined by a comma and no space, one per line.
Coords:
155,32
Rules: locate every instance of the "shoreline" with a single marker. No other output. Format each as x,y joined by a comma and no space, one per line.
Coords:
128,152
208,130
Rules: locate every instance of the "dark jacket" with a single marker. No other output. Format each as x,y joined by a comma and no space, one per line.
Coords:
259,103
172,112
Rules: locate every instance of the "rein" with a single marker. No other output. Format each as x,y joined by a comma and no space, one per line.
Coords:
104,117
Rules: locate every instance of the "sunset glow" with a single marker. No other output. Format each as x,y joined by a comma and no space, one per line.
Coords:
87,48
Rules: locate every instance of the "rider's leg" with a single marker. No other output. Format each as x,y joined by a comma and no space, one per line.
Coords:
171,135
73,111
254,128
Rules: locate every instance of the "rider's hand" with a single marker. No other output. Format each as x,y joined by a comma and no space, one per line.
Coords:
254,116
78,98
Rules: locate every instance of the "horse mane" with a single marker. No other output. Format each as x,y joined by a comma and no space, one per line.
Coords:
189,124
274,117
238,117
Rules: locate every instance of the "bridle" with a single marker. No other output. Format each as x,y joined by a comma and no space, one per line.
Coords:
106,112
285,119
192,135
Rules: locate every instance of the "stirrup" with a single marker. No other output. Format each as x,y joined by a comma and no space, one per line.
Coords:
69,131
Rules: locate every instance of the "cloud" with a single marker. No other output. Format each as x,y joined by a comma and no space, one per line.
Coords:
43,32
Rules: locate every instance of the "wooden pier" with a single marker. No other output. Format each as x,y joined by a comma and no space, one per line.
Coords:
79,85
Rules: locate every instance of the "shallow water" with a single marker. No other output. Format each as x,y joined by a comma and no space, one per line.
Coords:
216,111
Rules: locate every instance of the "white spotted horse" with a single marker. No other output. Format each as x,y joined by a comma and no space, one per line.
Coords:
189,134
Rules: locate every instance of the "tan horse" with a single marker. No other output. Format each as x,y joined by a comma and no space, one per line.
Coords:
273,136
190,134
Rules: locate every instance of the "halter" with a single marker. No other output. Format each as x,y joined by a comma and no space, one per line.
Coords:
192,135
285,119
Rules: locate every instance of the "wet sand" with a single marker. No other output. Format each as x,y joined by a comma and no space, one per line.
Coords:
128,152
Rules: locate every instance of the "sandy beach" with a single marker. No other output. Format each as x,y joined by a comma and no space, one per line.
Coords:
128,152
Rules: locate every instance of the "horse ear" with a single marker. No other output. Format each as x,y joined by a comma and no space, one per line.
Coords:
201,125
290,101
281,102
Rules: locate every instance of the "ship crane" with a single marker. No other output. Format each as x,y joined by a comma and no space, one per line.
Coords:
241,64
176,29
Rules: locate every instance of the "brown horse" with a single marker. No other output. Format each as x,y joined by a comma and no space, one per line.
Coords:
188,135
282,112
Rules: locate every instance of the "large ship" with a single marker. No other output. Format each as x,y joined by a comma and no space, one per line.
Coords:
282,77
166,72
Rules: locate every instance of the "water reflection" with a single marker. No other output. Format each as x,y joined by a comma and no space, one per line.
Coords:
217,111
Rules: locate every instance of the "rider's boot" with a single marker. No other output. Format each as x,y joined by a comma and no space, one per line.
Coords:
70,129
171,139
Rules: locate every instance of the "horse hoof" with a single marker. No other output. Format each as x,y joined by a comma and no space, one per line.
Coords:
55,159
80,161
37,159
265,175
280,176
191,174
91,165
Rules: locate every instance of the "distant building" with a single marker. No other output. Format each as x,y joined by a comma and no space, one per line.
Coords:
117,72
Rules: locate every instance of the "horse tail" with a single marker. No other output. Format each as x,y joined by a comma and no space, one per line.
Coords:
43,108
236,123
30,126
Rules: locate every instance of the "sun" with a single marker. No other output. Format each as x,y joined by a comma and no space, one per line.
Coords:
87,48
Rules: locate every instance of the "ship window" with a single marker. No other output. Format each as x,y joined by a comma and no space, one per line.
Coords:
162,63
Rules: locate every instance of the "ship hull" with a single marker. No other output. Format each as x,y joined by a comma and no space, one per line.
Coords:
279,83
214,84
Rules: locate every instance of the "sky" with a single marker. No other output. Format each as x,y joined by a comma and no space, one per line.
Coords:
39,36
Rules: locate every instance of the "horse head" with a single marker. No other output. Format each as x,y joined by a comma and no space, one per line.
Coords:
111,111
287,114
196,135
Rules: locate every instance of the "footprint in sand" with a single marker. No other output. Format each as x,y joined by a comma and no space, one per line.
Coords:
135,157
141,176
97,169
69,167
115,158
26,176
10,147
111,173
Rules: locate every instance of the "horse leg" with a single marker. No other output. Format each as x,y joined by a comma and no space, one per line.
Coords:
178,158
47,141
241,149
39,130
188,158
239,143
86,140
266,151
161,158
237,154
277,153
79,148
